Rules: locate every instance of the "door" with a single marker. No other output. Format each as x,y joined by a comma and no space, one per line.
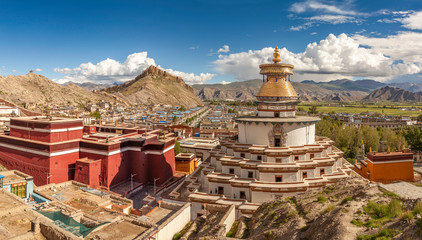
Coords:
221,190
277,141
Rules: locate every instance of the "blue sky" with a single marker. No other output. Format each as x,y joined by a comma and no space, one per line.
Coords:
211,41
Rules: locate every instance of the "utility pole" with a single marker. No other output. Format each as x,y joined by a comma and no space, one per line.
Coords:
131,180
48,177
155,185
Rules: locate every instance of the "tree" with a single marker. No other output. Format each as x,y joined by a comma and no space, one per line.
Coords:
419,118
182,109
177,148
313,109
174,119
391,139
96,114
413,136
370,138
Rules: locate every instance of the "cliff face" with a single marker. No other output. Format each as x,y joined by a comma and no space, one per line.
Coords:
154,86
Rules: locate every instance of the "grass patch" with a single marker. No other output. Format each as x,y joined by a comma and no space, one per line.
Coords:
407,216
305,228
346,200
378,210
180,234
417,209
417,184
328,209
321,199
389,194
383,234
356,222
233,230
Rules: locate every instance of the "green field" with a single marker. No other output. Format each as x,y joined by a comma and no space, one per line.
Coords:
355,109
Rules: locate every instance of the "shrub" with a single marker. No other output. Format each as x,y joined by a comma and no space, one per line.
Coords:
378,210
417,209
395,208
321,199
346,200
407,215
233,230
383,234
328,209
357,222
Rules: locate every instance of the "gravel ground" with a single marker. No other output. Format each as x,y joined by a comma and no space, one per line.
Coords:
404,189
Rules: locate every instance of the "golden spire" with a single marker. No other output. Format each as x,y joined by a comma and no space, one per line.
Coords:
276,54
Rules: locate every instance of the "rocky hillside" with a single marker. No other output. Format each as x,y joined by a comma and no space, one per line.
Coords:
351,209
412,87
92,86
31,89
393,94
247,90
154,86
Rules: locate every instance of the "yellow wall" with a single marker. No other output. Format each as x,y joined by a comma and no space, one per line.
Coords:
186,166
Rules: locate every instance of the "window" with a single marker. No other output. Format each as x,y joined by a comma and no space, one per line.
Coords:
276,114
304,175
80,168
220,190
231,170
321,171
296,158
242,195
19,189
242,155
259,157
278,178
250,174
278,160
311,155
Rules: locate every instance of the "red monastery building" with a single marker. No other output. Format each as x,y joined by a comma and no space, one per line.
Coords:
55,150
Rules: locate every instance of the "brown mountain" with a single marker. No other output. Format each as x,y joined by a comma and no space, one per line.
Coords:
153,86
36,91
393,94
247,90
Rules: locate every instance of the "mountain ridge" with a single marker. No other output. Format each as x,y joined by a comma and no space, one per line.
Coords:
155,85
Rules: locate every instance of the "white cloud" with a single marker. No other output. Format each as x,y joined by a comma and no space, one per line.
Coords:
404,46
224,49
193,47
312,5
38,70
225,83
333,19
313,33
331,58
14,70
191,78
413,21
109,71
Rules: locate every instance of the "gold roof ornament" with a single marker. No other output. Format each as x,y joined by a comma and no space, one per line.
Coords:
276,55
276,78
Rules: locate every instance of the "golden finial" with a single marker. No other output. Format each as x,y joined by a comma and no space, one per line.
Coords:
276,54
